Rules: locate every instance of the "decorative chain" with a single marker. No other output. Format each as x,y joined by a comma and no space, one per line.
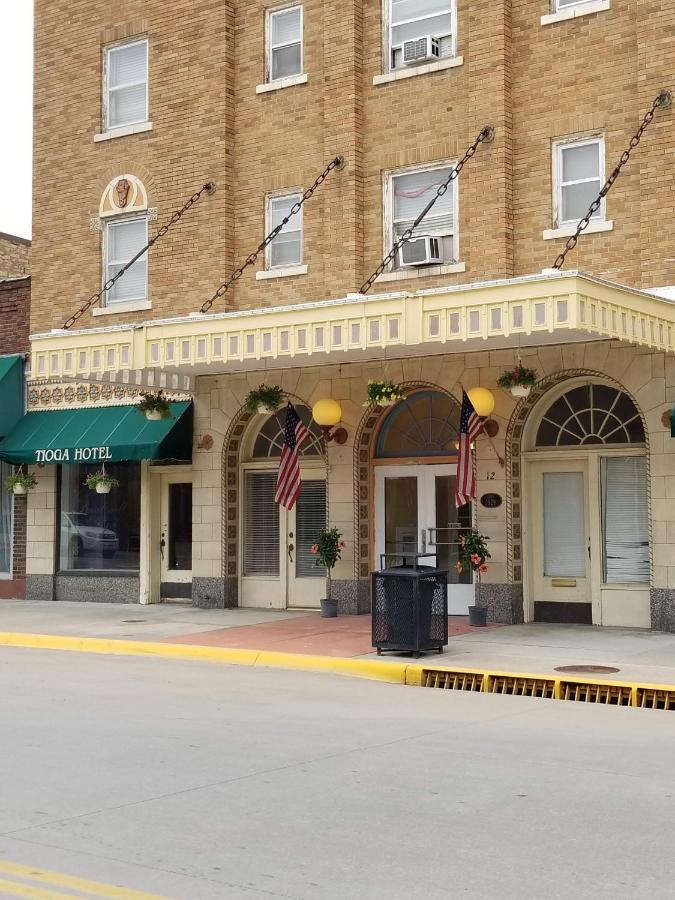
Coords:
663,100
208,188
486,134
336,163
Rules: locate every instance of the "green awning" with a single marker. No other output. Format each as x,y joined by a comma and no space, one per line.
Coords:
11,392
102,434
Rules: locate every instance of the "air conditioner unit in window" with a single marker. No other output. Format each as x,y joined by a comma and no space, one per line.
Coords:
421,251
424,49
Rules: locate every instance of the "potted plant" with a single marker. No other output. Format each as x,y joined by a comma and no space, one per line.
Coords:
20,483
328,550
155,406
101,482
264,399
518,380
473,553
383,393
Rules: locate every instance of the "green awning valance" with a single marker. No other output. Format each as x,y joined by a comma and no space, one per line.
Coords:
105,433
11,392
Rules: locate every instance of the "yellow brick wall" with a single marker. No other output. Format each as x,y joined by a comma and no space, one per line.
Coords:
534,83
14,256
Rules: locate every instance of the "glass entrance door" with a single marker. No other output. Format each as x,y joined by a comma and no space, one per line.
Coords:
415,512
176,538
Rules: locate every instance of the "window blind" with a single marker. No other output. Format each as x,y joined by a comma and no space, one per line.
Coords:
413,192
625,521
286,248
310,518
123,241
261,524
564,525
127,84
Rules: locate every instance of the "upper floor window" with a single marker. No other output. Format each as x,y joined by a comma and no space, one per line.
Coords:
560,5
284,43
419,31
286,248
122,241
578,168
406,195
126,84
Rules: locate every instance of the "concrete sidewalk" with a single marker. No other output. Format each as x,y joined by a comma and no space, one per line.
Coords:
643,656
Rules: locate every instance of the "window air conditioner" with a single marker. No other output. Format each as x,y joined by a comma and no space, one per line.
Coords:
421,251
424,49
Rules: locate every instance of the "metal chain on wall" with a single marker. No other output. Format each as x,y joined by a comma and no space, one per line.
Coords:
336,163
486,134
208,188
662,101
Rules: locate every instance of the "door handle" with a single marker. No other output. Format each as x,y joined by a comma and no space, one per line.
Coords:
291,548
424,540
162,545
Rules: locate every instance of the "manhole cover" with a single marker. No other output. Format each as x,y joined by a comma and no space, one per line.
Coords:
133,621
587,670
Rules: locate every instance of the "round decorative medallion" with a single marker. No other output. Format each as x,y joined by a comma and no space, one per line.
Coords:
81,393
45,395
106,391
33,396
94,392
57,395
119,392
69,394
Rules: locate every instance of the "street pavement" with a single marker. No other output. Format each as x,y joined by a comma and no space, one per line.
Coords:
198,780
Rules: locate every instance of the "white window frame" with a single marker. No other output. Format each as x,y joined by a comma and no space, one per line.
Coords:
558,147
299,216
388,212
559,6
269,15
112,223
111,48
388,48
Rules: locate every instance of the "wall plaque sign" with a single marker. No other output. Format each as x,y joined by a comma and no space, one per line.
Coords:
491,501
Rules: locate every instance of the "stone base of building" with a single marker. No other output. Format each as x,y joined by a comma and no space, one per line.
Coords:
662,604
39,587
352,595
209,593
504,602
84,588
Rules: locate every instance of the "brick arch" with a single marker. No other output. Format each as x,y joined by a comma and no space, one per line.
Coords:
514,437
363,452
230,460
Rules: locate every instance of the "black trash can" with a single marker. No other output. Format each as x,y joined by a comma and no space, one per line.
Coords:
410,607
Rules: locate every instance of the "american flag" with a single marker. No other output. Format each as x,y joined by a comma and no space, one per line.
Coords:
288,479
470,426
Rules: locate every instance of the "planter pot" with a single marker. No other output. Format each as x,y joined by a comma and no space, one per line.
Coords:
520,390
384,403
20,489
478,616
153,415
328,609
103,488
264,409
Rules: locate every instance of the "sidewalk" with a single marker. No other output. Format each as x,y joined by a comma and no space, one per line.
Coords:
536,648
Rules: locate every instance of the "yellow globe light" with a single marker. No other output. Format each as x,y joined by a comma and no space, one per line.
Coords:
483,401
326,413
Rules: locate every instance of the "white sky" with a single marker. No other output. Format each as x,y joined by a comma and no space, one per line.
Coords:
16,115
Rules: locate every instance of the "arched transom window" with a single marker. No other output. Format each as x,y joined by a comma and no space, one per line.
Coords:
270,438
424,424
591,414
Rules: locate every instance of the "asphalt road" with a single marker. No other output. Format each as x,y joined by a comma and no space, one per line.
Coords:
198,780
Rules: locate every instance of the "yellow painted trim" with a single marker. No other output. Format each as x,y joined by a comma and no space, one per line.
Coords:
70,882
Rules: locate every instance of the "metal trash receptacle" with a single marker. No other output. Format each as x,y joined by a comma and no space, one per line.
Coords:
410,606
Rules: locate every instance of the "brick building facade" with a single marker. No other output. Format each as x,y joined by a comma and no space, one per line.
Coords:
14,256
160,98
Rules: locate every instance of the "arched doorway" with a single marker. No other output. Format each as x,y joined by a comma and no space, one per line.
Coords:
277,569
414,479
586,549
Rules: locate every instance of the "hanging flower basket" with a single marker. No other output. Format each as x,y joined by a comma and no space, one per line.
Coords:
518,380
383,393
20,483
101,482
154,406
264,400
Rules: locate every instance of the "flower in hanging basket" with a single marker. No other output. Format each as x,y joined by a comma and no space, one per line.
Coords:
20,483
383,393
264,399
101,482
473,551
519,376
154,405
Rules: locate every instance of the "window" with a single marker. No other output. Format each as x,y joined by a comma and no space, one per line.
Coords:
625,519
270,438
591,414
284,30
407,194
560,5
577,177
412,20
126,85
5,522
286,248
100,532
424,424
123,240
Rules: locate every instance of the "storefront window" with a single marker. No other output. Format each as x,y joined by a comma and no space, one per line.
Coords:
5,521
100,532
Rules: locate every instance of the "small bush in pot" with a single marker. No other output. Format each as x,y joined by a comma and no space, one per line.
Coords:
518,380
383,393
264,399
20,483
101,482
328,550
155,406
473,553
